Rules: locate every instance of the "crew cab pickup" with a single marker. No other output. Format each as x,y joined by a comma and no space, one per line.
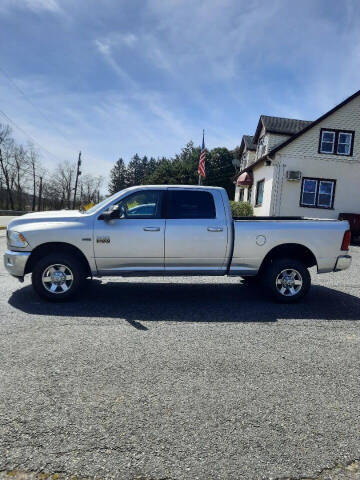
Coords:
172,230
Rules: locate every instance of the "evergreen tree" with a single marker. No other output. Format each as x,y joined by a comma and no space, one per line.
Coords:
181,170
136,170
118,175
150,166
220,170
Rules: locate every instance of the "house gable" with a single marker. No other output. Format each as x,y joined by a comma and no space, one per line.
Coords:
246,151
344,116
279,126
302,153
327,164
272,131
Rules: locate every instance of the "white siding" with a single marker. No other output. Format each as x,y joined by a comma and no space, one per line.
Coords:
347,118
271,140
250,157
262,134
347,176
275,139
302,154
263,173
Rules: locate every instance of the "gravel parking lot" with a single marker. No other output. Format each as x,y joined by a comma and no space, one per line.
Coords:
186,379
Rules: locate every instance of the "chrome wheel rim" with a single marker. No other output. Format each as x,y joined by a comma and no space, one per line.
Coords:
57,278
289,282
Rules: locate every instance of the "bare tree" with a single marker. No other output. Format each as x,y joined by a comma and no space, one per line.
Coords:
25,185
89,186
63,178
33,161
6,145
21,164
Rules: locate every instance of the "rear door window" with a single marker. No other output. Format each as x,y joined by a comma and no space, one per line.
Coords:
189,204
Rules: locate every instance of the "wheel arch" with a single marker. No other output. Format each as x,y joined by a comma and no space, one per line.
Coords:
56,247
290,250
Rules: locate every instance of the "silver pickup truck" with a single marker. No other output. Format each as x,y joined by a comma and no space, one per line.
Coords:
172,230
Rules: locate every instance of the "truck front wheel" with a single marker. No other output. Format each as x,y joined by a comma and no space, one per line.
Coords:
58,277
288,280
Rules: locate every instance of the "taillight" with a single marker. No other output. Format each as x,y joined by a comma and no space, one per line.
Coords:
346,240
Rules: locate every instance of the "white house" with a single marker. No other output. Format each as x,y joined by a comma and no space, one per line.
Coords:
306,168
247,156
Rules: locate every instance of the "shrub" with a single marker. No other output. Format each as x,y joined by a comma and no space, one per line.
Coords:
241,209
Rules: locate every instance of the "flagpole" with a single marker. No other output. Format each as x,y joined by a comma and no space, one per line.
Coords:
200,179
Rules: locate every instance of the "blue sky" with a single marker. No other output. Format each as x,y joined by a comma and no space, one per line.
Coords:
114,77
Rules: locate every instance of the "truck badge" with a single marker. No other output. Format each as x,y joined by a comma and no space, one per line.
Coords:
103,239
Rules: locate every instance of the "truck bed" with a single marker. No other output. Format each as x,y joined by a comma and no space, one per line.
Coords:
268,218
284,218
255,237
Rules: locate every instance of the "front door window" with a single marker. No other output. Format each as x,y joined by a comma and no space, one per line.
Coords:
145,204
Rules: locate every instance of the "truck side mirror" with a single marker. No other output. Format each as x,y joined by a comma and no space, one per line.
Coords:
111,214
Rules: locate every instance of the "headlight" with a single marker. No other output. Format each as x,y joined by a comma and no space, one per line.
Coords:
16,239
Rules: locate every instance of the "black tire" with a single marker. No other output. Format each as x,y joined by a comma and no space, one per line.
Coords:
283,284
69,265
252,280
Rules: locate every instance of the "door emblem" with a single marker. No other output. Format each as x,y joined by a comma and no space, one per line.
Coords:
104,239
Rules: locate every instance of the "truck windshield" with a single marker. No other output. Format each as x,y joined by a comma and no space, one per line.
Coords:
100,204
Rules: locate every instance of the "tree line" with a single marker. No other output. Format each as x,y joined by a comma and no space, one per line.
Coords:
178,170
25,184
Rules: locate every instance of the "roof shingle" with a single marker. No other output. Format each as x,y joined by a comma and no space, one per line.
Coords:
285,126
248,140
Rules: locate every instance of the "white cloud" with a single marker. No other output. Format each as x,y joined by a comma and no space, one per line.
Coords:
50,5
102,125
115,41
129,39
33,5
182,66
104,47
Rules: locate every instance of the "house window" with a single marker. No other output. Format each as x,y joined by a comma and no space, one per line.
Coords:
317,193
344,143
308,194
327,142
243,161
336,142
261,147
241,195
259,193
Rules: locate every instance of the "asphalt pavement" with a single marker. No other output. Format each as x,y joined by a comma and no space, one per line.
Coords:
199,378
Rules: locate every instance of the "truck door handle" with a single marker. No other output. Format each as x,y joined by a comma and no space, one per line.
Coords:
215,229
151,229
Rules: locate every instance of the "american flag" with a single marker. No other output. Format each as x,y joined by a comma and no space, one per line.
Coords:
201,167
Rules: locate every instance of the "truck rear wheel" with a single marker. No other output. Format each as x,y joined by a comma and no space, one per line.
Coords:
288,280
58,277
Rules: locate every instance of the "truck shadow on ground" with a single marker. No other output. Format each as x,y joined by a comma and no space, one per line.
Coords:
138,302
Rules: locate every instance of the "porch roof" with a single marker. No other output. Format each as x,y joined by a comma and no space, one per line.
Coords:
245,180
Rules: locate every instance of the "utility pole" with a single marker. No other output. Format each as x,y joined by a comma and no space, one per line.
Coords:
34,188
40,194
76,180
